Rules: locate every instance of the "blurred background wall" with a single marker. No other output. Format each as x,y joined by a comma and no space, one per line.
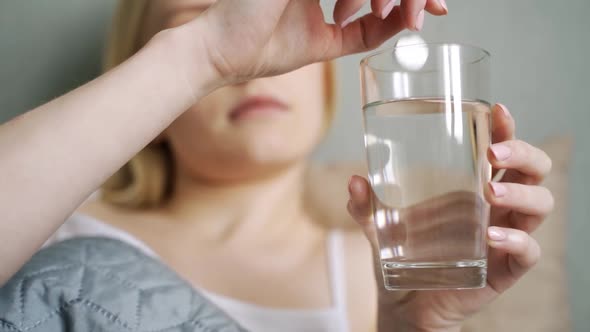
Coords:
540,71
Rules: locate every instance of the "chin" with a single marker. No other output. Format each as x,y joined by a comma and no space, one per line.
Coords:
248,172
247,157
266,160
254,164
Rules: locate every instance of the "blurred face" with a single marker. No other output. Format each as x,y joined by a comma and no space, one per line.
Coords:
246,130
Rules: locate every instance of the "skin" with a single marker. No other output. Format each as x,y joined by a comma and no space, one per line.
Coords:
259,210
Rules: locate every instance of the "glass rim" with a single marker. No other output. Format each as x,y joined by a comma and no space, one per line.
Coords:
365,60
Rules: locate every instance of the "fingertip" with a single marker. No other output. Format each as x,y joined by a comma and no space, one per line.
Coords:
359,204
490,193
344,12
496,237
437,7
496,233
502,114
411,20
360,199
503,110
386,10
550,200
406,15
499,153
420,21
503,125
413,12
547,164
514,240
495,244
445,8
522,251
357,185
338,16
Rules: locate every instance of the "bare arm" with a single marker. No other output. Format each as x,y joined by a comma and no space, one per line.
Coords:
53,157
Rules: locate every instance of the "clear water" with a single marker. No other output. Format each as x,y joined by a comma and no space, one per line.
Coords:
427,167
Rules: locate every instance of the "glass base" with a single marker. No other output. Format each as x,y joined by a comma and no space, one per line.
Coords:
467,274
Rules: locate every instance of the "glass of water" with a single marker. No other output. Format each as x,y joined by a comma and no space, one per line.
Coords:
427,124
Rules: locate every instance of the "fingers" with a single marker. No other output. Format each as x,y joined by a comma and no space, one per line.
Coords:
526,199
359,207
503,126
437,7
345,10
532,164
413,13
382,8
385,21
523,251
522,207
367,33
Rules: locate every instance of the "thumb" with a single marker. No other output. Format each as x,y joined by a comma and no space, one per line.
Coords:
359,207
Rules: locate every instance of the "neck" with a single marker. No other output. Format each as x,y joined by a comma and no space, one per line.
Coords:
268,208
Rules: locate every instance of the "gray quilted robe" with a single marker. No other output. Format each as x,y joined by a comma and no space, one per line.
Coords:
99,284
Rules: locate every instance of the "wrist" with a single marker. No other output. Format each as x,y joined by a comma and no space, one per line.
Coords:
185,52
392,318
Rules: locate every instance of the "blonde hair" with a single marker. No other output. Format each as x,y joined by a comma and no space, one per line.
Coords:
146,180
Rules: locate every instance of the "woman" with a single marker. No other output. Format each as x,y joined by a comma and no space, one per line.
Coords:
230,197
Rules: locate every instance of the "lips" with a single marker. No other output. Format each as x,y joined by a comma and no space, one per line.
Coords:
257,105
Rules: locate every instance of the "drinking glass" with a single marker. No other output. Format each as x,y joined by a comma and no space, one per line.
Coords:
427,125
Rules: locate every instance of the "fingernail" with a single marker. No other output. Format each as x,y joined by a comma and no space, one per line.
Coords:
443,3
350,186
419,21
347,22
501,152
496,234
387,9
504,111
498,189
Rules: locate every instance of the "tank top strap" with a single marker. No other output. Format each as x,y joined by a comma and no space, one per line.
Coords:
336,261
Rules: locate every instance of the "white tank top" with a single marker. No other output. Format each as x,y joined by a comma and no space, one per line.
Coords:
250,316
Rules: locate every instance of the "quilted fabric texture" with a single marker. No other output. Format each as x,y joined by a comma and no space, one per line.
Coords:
99,284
